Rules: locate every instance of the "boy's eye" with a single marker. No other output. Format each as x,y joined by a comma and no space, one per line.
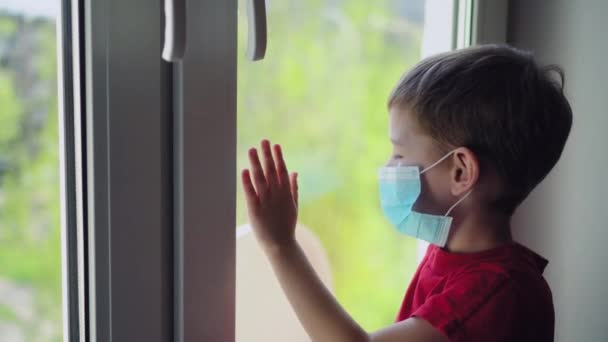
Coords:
396,156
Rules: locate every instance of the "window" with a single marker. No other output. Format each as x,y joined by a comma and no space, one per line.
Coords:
142,161
30,229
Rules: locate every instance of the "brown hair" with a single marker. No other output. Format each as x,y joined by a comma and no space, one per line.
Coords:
495,100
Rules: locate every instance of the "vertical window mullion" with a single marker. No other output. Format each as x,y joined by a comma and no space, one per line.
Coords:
205,178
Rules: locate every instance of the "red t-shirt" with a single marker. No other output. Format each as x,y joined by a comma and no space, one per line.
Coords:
494,295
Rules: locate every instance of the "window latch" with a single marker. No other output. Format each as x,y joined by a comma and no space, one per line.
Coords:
175,30
256,18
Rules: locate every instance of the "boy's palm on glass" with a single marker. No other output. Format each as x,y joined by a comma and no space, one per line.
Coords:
272,197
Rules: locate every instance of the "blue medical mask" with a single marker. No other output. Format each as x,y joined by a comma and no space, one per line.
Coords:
399,189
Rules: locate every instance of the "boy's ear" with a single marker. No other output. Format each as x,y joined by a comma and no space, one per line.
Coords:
465,171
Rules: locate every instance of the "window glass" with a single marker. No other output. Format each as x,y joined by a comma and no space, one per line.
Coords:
321,93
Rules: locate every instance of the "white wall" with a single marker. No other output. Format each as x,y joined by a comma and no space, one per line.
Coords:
566,217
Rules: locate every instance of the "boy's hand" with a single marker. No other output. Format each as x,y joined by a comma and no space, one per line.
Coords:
273,203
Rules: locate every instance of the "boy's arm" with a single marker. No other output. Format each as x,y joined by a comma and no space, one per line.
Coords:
317,309
272,207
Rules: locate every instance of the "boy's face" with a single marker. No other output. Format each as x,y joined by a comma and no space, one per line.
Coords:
413,147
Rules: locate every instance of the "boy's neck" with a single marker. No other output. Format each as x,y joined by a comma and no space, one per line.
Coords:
477,233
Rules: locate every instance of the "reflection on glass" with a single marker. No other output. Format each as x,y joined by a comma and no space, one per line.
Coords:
321,92
30,251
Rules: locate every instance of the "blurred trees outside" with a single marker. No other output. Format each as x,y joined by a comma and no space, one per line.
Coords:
30,244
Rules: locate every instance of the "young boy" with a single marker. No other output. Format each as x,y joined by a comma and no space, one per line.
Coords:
473,132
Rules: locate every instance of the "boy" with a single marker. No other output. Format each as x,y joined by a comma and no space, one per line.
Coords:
473,132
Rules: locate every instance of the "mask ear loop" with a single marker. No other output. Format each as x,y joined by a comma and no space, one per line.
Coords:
437,162
458,202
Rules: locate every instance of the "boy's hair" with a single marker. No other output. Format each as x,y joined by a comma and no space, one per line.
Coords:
495,100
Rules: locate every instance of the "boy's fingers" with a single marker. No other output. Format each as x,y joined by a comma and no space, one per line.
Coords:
250,194
269,168
282,173
294,187
259,180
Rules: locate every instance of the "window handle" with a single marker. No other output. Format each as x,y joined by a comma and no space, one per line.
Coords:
175,30
256,18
